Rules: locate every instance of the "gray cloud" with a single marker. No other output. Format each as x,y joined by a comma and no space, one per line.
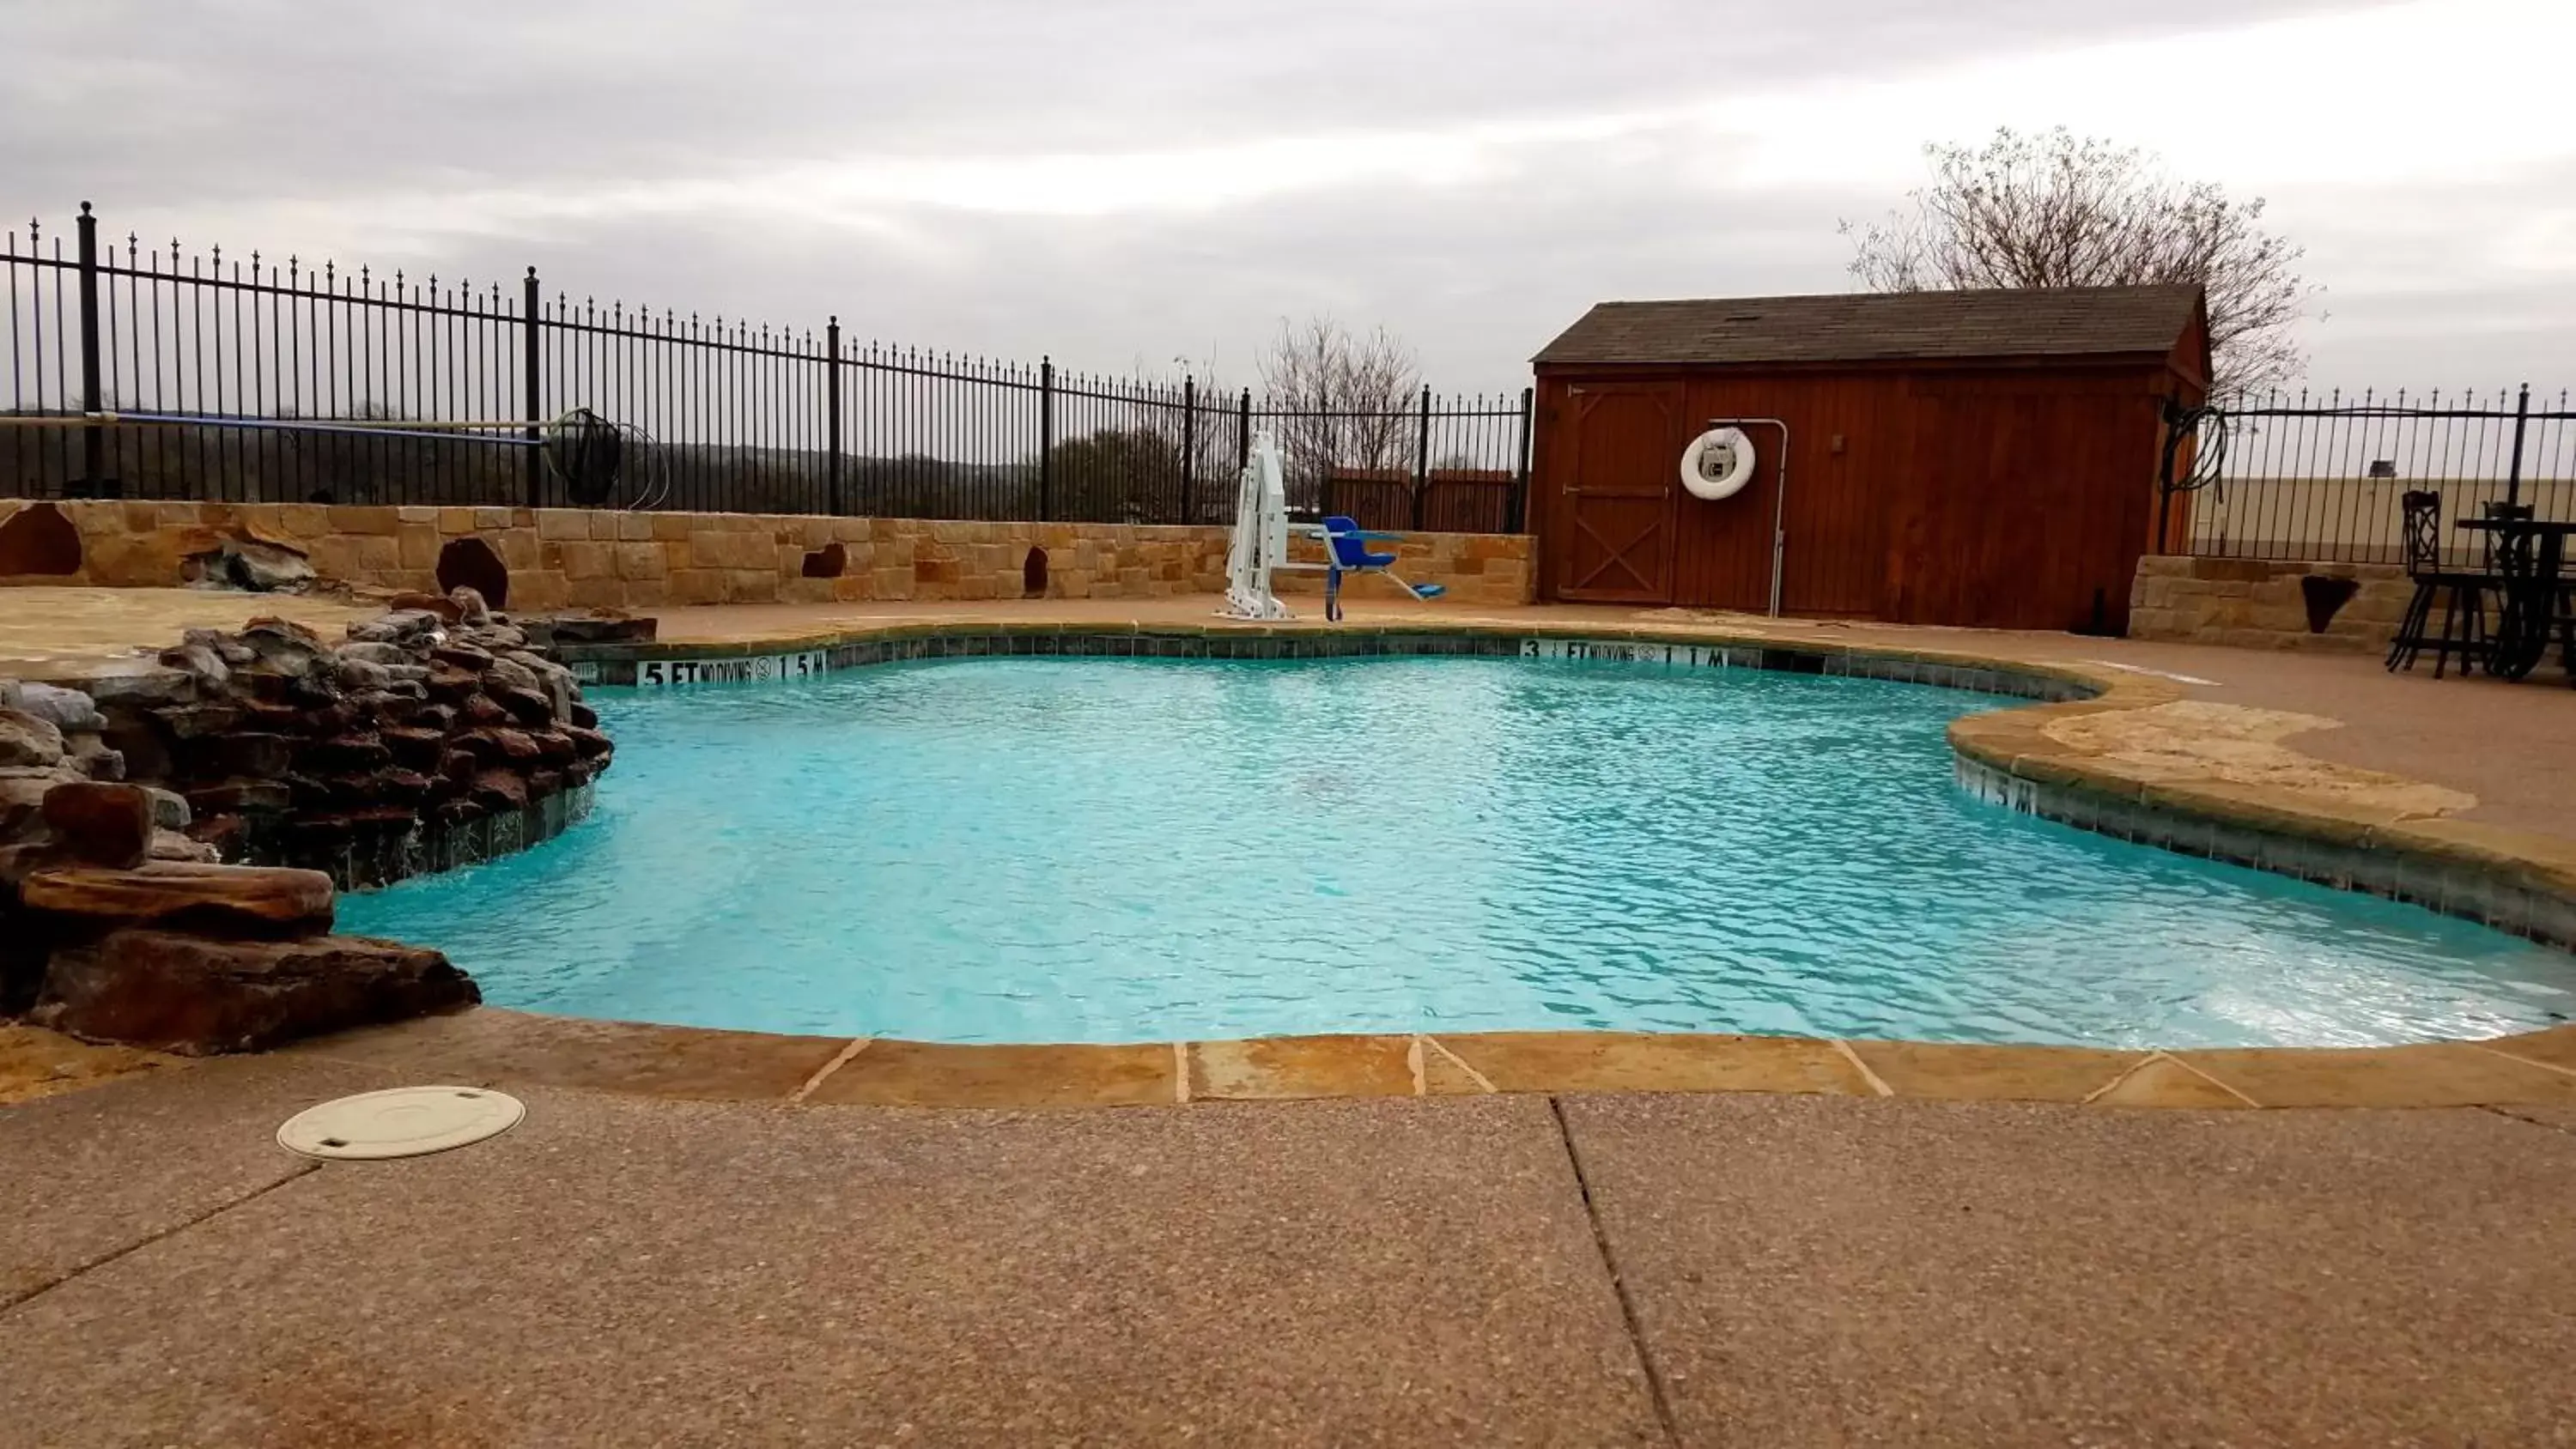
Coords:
255,118
146,99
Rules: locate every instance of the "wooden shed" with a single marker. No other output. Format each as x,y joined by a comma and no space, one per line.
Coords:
1980,458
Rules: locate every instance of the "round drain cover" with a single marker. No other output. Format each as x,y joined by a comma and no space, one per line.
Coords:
400,1122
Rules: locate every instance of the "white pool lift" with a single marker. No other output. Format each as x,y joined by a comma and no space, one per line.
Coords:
1261,538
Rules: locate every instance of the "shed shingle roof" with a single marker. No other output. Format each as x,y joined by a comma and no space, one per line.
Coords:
1881,326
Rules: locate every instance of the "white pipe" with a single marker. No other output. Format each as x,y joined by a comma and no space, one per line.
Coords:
1779,501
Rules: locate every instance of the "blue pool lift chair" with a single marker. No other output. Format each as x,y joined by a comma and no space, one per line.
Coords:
1346,550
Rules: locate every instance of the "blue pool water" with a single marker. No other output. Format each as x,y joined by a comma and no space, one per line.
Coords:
1115,850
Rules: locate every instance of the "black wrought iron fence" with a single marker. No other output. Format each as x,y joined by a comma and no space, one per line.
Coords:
2319,476
153,372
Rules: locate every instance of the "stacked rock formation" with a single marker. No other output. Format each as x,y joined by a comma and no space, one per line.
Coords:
101,939
122,799
291,751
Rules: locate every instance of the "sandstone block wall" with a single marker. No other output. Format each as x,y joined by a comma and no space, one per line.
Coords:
1475,568
2261,603
591,558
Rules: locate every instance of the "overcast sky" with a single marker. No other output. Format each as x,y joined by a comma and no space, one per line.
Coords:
1124,184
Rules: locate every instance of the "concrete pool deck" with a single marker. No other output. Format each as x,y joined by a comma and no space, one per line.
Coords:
705,1237
1578,1269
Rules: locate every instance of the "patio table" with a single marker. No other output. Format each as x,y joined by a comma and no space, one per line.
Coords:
2531,553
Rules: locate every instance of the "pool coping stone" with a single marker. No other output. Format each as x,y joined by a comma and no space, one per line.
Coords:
501,1048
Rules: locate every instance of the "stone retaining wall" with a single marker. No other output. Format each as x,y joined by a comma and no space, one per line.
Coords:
2263,603
590,558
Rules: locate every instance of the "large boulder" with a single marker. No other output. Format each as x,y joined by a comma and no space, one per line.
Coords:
265,566
378,652
101,824
506,673
27,742
197,997
555,681
169,808
68,710
93,756
498,638
200,662
418,749
499,791
232,651
175,845
528,706
143,683
197,721
284,647
501,747
228,900
349,752
462,656
22,798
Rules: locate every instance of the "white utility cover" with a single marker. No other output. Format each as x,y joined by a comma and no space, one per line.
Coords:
400,1122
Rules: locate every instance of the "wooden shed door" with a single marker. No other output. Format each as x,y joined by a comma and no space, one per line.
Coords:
1618,547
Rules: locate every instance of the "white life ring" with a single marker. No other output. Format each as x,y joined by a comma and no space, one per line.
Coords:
1717,464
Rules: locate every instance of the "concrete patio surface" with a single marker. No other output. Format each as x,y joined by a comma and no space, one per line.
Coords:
1758,1270
46,627
1814,1272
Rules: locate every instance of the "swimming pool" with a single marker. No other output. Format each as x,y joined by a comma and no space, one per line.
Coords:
1105,850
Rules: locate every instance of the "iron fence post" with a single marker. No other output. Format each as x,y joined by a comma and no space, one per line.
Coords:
1046,436
1189,444
832,413
1243,432
534,394
93,437
2513,472
1422,460
2170,412
1516,515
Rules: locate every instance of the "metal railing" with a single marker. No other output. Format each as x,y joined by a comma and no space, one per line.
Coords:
156,373
2319,476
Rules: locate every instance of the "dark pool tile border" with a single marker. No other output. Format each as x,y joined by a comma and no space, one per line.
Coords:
431,847
623,665
2449,887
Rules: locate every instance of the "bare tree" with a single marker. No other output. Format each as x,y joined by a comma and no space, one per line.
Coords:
1342,400
2061,211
